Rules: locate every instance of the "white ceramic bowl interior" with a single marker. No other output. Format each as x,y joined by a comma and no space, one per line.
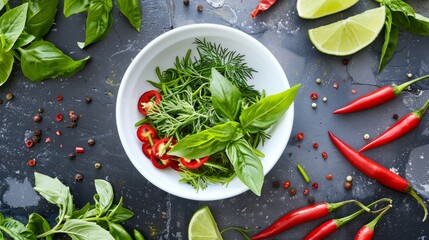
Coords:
162,52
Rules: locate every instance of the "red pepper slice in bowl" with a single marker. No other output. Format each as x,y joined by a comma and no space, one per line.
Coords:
146,133
175,165
194,163
147,100
161,163
162,146
147,150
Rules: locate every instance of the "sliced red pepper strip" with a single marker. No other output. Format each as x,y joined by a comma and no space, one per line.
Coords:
175,165
399,129
145,133
376,97
366,232
193,163
147,150
376,171
147,100
302,215
161,163
162,146
262,6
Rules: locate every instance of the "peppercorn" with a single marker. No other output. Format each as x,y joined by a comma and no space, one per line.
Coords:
186,2
329,177
300,136
88,100
345,61
347,185
276,184
37,118
9,96
315,185
40,110
78,177
366,136
71,125
335,85
59,98
310,200
59,117
91,141
318,80
31,163
315,145
200,7
72,156
324,99
97,165
37,132
314,96
73,117
324,155
36,138
306,191
349,178
1,101
395,116
314,105
286,184
292,192
29,143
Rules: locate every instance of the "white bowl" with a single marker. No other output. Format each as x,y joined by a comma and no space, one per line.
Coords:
162,52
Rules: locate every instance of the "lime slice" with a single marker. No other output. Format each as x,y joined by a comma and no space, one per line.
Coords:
350,35
203,226
312,9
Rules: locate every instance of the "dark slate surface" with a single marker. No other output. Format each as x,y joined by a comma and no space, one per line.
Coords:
162,216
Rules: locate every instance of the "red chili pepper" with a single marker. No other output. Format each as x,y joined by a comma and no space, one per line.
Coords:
147,100
162,146
193,163
147,149
175,165
302,215
161,163
262,6
146,133
330,226
366,232
376,97
399,129
376,171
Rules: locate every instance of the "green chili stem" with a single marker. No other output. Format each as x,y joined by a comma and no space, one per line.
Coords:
141,122
334,206
303,173
411,191
400,88
342,221
419,113
371,225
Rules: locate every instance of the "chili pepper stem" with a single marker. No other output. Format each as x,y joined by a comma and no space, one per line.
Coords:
371,225
342,221
400,88
334,206
419,113
413,193
303,173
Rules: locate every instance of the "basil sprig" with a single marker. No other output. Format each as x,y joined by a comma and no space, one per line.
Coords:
399,16
230,136
99,221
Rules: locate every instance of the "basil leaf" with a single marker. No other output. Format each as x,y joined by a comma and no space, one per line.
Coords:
118,232
247,165
98,22
207,142
75,6
78,214
82,230
226,97
401,12
42,60
131,10
119,214
104,198
3,3
17,230
12,24
6,64
267,111
419,25
54,192
24,39
391,36
138,235
38,224
40,16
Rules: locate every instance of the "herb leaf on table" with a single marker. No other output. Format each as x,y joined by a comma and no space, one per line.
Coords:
6,65
38,225
12,24
391,35
40,16
131,10
75,6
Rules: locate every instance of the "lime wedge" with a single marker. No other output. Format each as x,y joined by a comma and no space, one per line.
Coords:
350,35
312,9
203,226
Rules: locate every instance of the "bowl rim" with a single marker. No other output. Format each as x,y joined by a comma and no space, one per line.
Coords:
121,92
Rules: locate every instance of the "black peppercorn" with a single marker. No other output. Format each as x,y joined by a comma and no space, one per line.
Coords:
395,116
37,118
292,191
36,138
310,200
91,141
37,132
1,101
88,100
9,96
200,7
345,61
186,2
40,110
78,177
72,156
71,125
276,184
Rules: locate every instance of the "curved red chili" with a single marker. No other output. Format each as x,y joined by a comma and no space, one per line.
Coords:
376,171
302,215
262,6
376,97
330,226
193,163
399,129
366,232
